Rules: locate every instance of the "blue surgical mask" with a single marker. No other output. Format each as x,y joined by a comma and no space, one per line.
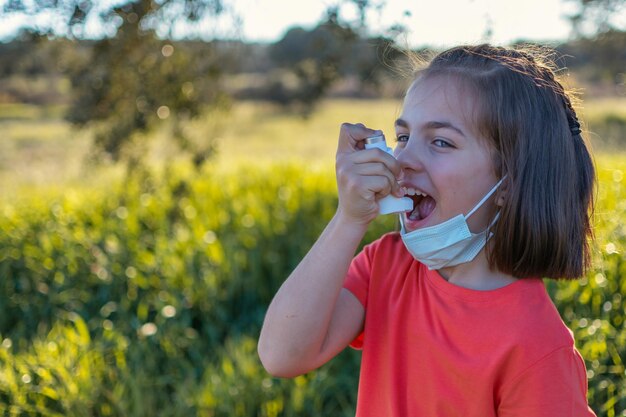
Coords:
449,243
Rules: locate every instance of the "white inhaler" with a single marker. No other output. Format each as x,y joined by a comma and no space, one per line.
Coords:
388,204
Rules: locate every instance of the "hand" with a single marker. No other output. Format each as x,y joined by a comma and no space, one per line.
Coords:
363,175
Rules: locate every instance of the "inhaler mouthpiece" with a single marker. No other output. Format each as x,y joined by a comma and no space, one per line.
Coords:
388,204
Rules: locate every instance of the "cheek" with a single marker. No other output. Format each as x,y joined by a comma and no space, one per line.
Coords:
461,187
449,175
450,183
474,170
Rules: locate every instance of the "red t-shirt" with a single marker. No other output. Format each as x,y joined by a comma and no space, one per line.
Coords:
434,349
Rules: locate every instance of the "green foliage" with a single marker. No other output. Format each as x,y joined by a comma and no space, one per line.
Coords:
163,270
146,298
65,373
593,307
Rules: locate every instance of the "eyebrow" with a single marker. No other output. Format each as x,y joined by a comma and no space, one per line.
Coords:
432,125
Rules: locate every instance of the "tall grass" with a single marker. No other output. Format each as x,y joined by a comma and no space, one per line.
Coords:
156,289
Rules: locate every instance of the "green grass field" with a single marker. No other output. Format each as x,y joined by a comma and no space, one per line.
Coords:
39,148
144,297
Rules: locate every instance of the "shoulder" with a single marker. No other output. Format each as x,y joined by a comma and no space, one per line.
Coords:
540,353
555,385
539,316
534,327
387,240
388,245
384,257
386,254
387,250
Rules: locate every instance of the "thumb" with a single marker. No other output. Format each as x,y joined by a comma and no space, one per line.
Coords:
351,136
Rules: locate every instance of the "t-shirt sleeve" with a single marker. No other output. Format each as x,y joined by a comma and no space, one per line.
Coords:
555,386
358,276
357,282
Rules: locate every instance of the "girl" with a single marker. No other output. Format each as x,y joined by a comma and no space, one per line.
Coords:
451,313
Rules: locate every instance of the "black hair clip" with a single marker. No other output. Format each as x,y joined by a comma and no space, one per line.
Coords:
574,127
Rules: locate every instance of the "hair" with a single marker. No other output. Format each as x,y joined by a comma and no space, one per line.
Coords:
528,119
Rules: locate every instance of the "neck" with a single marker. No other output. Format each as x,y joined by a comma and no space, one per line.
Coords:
476,275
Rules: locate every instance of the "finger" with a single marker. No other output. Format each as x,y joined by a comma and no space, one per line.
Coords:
377,155
378,186
378,169
351,136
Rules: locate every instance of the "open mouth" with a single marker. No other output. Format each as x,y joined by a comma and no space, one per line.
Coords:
423,205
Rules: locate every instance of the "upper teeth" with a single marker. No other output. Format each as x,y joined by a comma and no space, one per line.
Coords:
413,191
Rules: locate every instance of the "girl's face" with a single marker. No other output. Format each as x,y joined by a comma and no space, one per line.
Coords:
442,156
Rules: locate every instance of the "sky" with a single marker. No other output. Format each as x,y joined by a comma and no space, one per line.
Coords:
436,23
430,22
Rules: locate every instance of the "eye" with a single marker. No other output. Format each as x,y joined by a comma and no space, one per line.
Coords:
402,137
440,143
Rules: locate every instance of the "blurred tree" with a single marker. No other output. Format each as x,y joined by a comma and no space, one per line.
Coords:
31,69
601,40
314,60
133,79
598,13
15,60
599,61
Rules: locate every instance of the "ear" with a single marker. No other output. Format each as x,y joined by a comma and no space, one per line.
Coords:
502,192
500,198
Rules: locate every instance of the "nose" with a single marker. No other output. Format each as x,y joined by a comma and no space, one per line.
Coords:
410,156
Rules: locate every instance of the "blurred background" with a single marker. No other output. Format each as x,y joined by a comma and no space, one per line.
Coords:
165,164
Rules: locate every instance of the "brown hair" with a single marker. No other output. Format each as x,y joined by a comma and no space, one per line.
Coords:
528,119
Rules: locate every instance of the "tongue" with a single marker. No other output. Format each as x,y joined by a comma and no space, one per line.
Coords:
425,207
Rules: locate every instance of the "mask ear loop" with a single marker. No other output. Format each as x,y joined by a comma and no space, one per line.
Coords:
489,194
